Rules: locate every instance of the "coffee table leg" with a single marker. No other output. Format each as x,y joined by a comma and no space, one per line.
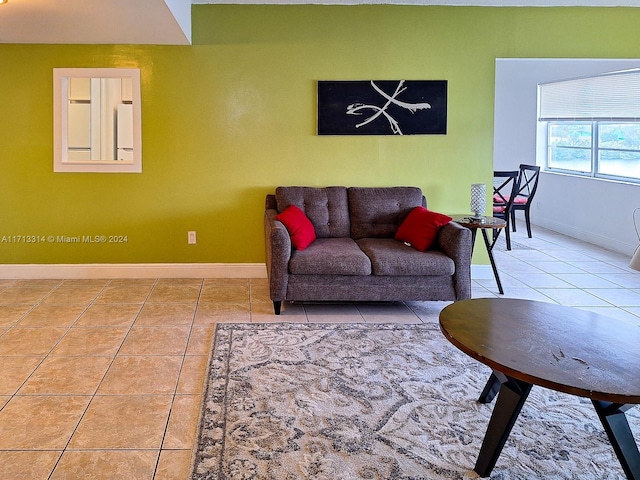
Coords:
491,389
511,397
617,427
490,246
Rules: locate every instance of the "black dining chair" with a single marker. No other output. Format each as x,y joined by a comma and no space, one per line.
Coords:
505,186
527,186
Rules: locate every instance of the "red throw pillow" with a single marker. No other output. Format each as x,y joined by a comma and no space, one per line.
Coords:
421,227
299,227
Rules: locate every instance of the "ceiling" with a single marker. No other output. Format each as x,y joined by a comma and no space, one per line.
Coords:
168,22
163,22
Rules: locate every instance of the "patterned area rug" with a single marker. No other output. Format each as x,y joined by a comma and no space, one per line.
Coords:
359,401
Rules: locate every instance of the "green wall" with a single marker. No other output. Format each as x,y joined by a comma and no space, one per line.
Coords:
229,118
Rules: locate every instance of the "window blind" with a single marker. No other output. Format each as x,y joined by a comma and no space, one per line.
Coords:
608,96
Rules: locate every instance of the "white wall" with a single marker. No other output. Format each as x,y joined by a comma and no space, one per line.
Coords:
597,211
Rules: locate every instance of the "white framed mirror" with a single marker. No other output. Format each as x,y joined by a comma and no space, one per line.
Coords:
97,120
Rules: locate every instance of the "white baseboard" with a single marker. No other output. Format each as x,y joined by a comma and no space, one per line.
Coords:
157,270
133,270
608,243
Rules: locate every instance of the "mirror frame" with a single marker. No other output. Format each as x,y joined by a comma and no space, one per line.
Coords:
61,162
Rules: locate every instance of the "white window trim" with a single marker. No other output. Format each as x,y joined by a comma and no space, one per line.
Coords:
61,162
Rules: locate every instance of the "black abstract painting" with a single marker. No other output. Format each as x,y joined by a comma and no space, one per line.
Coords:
382,107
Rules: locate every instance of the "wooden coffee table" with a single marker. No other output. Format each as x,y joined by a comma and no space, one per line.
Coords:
530,343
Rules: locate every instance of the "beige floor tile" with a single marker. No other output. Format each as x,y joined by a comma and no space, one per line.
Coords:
201,339
332,313
45,315
10,314
109,315
158,314
67,376
47,283
131,422
124,293
264,313
429,312
14,371
334,319
141,375
106,465
260,292
183,422
73,295
156,341
223,282
123,421
85,282
91,341
27,465
192,374
264,281
30,341
225,293
167,293
124,282
19,295
195,282
174,465
290,308
397,312
40,422
208,313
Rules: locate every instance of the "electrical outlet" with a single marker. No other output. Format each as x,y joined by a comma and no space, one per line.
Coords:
191,238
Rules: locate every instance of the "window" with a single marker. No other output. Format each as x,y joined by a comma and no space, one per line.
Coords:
591,125
619,149
569,146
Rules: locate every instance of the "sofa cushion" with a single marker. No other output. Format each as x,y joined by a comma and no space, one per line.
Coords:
299,227
391,257
378,212
327,208
420,228
330,256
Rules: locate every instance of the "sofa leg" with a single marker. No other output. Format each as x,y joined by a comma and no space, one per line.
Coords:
277,304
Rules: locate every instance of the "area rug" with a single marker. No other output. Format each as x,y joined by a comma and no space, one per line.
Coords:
363,401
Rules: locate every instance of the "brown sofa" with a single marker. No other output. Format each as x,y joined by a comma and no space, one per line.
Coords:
355,256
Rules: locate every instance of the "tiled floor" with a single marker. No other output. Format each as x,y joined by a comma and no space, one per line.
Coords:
103,379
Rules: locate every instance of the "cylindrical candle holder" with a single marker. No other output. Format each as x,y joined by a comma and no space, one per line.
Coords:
478,199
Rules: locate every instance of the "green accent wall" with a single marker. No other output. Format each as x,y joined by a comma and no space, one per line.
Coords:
229,118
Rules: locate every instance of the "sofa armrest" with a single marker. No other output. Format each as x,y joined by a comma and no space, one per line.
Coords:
278,252
455,242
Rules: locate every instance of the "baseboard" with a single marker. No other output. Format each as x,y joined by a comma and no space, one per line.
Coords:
157,270
133,270
601,241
